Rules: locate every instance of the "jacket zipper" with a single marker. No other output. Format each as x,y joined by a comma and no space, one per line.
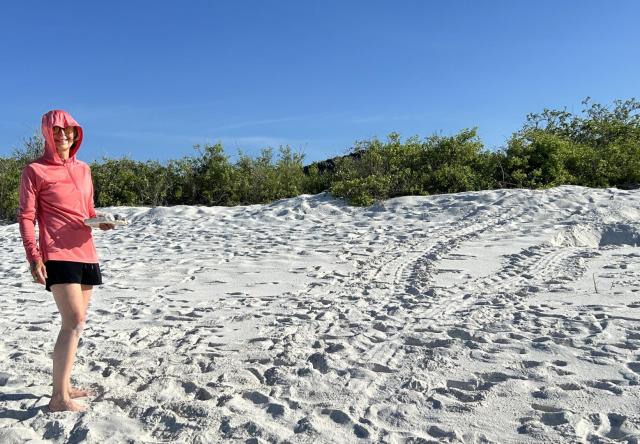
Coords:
66,165
75,184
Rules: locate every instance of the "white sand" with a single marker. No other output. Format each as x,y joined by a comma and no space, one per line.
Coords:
470,318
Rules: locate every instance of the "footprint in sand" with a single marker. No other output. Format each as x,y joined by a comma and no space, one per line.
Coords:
610,386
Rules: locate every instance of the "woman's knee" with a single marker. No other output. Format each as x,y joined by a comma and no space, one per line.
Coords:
70,301
74,321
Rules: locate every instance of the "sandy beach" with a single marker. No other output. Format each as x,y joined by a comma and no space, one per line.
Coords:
504,316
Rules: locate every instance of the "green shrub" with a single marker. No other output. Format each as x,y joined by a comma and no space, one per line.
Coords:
127,182
598,148
289,171
377,170
213,176
9,184
456,163
10,172
538,159
314,181
363,191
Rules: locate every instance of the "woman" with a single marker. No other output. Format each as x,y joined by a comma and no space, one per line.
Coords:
57,191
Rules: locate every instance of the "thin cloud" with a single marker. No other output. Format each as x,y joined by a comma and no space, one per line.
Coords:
258,139
240,142
387,118
153,135
174,137
120,110
257,123
308,117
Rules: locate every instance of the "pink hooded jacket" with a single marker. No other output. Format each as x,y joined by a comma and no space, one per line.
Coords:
59,195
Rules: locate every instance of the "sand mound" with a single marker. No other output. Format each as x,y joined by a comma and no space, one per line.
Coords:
590,236
485,317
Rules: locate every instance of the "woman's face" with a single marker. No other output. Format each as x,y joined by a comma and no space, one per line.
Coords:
64,137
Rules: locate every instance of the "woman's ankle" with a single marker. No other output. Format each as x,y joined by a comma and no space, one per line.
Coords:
61,394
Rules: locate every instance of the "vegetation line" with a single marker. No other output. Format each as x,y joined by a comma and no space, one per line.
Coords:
600,147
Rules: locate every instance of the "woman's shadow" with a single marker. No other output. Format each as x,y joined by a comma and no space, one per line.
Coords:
20,415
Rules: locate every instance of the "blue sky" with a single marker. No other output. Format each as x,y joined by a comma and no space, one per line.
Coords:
149,79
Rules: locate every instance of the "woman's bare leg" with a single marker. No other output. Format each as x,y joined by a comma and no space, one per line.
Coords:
72,307
75,392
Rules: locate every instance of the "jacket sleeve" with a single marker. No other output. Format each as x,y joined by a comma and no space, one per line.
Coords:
90,204
27,212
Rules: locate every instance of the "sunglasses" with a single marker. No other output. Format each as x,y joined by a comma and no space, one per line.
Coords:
69,131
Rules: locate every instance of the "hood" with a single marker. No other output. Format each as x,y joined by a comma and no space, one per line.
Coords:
57,117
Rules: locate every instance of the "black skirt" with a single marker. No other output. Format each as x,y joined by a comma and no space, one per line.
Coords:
65,272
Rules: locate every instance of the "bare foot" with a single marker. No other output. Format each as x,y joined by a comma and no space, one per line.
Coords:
79,393
60,404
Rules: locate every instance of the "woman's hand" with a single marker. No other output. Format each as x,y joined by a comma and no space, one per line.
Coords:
39,271
105,227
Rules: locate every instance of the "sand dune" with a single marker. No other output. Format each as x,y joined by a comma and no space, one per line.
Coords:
506,316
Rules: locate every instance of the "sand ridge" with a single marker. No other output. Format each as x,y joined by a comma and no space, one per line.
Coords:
493,316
